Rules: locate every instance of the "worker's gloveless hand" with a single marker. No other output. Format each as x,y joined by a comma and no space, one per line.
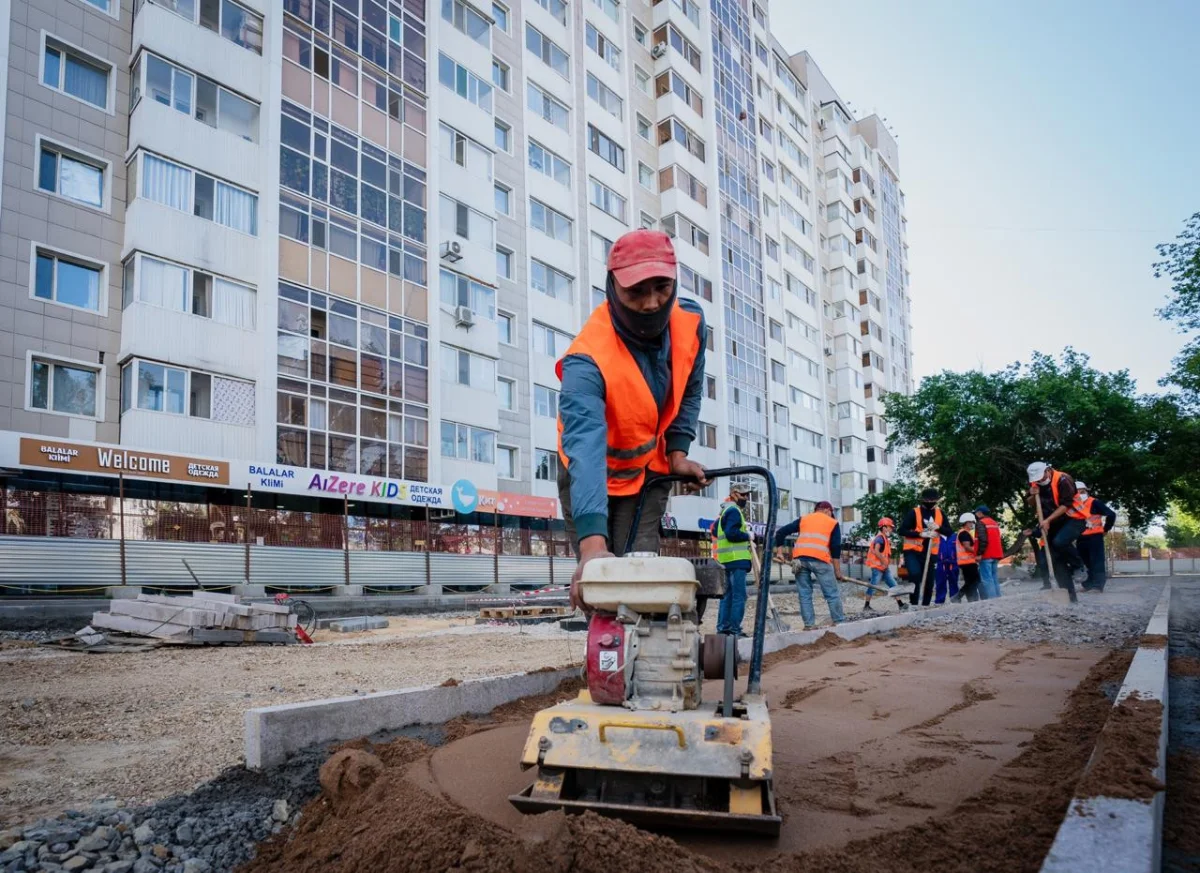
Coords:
589,548
681,466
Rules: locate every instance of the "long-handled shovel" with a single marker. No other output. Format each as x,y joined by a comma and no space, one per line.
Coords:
780,627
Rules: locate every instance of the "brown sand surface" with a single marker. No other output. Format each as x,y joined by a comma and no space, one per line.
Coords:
920,776
886,736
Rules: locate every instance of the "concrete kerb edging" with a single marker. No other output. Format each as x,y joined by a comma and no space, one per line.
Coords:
275,732
852,630
1113,835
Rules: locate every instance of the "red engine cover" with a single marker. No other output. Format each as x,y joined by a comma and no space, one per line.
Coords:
606,660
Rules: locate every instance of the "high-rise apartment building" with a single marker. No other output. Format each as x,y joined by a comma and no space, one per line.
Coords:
319,246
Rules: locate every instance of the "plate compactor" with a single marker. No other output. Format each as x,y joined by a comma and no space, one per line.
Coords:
640,743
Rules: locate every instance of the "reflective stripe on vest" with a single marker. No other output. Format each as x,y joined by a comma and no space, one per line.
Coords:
1095,523
636,424
876,560
917,544
965,554
813,540
727,551
1080,506
995,545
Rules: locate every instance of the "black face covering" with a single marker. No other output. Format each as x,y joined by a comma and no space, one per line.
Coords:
930,505
742,501
640,326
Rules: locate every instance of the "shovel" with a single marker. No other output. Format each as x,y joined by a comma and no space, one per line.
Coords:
780,627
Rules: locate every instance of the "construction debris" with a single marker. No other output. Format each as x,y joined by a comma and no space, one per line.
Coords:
531,612
204,618
358,623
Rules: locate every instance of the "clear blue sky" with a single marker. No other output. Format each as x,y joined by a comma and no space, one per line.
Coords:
1045,148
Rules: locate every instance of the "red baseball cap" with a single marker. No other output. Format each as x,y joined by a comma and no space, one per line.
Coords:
640,255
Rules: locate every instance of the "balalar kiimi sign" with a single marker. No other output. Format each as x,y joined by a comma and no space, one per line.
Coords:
116,461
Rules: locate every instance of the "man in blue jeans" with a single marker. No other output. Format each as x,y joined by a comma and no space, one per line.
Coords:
733,553
816,559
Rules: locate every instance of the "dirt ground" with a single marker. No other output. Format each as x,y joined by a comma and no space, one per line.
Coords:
138,727
916,753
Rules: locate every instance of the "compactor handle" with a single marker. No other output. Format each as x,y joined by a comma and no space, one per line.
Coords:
753,683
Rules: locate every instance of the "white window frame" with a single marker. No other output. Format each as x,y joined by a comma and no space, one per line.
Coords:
511,259
138,256
139,156
516,453
553,398
189,372
85,261
98,369
108,9
507,17
504,315
498,124
75,154
509,193
62,45
506,75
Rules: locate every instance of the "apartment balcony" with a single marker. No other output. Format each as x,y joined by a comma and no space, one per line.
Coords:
178,337
178,136
186,434
187,239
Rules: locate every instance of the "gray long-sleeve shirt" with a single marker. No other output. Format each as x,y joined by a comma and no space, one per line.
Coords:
585,430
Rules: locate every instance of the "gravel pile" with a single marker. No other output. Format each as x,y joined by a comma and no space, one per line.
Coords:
1096,620
215,828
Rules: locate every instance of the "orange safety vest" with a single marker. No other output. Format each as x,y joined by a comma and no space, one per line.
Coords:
966,555
1073,511
636,424
917,544
813,539
1079,507
877,560
1095,523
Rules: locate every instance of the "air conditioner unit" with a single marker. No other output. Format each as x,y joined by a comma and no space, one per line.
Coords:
463,316
658,51
452,251
828,351
820,123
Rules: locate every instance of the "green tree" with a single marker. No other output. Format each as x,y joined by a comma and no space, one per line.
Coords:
1181,264
893,501
1182,528
974,433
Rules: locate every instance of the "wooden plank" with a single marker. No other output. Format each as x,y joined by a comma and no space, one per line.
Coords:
128,624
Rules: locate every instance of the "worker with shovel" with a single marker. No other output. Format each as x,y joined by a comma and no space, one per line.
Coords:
879,559
734,542
816,559
1052,494
632,382
920,529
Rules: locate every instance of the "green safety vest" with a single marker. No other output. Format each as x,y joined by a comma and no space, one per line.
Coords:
727,551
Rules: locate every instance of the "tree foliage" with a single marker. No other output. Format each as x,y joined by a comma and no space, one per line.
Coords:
1182,528
1181,264
974,434
893,501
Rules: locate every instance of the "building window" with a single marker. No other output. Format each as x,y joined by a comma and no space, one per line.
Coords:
185,289
775,330
778,373
74,73
642,79
548,51
501,75
550,221
640,34
195,96
550,342
598,296
611,8
62,173
500,14
467,20
600,247
676,176
504,263
545,465
503,199
673,129
603,46
503,136
668,33
549,164
464,83
677,226
545,401
708,435
68,281
670,82
557,8
646,177
458,290
550,109
67,388
160,388
710,387
606,199
455,146
609,100
468,443
549,281
458,219
460,367
691,282
233,22
205,197
643,127
648,221
506,328
601,145
507,466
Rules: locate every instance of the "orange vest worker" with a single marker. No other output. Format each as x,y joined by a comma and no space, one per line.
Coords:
813,538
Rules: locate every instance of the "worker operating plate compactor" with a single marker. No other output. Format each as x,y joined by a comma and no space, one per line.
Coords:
640,743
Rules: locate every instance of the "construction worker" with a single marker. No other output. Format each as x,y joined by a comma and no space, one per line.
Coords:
920,528
734,542
946,582
991,550
632,382
967,558
816,558
1099,520
1062,521
879,559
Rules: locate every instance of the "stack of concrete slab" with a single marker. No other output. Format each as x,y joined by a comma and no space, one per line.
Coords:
203,618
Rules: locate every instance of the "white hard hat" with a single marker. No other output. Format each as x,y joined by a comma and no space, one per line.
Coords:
1080,486
1036,471
965,517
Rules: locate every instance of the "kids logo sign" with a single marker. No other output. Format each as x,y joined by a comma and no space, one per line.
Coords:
415,493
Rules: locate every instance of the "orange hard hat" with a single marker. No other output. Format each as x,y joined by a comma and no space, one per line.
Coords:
887,521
